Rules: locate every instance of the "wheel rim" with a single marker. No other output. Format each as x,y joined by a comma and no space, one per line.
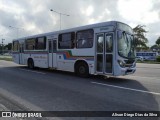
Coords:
82,69
30,64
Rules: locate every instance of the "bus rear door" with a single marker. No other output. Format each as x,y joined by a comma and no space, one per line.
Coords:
52,53
21,54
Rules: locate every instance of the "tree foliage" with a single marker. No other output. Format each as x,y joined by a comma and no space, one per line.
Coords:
158,41
154,46
8,46
141,40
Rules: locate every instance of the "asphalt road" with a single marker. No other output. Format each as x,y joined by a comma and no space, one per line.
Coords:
47,90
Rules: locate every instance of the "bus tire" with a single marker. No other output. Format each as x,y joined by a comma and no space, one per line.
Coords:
30,64
82,69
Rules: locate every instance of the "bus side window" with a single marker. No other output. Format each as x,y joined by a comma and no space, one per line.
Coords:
66,40
40,43
15,46
73,40
85,39
30,44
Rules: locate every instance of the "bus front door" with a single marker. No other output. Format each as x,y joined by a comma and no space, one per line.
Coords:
52,53
21,54
104,53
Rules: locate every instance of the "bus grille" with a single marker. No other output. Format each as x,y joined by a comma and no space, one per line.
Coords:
129,61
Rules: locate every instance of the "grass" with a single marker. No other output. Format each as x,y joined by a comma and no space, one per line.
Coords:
7,58
149,62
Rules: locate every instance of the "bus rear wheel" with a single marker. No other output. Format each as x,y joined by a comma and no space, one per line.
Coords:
30,64
82,70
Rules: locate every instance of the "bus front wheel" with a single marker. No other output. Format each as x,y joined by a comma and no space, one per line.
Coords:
30,64
82,70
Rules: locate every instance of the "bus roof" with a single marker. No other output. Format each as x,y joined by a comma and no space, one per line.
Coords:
112,23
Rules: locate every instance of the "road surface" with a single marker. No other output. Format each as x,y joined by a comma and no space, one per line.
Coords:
47,90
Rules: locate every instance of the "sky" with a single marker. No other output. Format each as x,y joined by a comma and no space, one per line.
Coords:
20,18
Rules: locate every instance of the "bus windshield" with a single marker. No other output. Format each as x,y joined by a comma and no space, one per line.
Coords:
126,46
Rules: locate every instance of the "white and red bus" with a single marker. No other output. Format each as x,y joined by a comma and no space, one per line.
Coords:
106,48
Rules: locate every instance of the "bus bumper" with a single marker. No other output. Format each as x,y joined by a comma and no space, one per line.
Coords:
127,71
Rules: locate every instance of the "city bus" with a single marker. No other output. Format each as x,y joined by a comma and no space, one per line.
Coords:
147,55
106,48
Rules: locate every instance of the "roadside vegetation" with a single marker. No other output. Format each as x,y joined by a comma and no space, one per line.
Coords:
7,58
149,62
157,61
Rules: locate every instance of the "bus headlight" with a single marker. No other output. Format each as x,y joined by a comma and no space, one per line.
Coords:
121,63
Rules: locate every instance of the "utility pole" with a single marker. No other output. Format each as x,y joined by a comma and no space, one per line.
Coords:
60,14
17,28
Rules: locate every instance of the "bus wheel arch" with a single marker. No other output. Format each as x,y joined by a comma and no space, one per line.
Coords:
81,68
30,63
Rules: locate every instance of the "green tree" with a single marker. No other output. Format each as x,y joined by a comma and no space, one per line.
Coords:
8,46
154,47
158,41
141,40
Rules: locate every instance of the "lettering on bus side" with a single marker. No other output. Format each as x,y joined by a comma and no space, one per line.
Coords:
41,57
